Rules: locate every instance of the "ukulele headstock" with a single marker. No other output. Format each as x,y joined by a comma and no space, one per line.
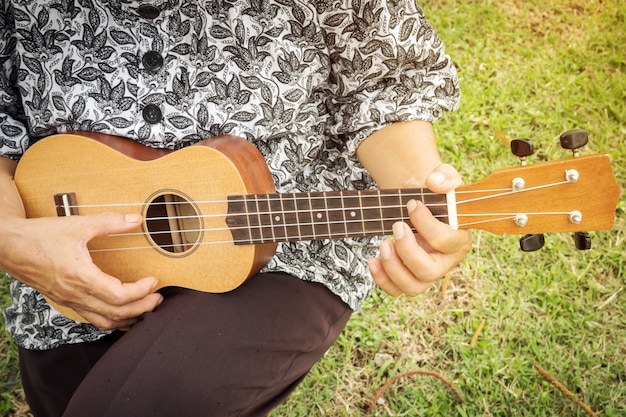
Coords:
571,195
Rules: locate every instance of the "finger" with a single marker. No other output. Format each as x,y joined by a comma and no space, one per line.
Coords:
104,323
443,179
115,292
85,287
112,293
406,276
110,303
439,236
122,317
382,280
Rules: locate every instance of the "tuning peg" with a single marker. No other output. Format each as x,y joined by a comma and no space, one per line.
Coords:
574,140
582,240
522,148
531,243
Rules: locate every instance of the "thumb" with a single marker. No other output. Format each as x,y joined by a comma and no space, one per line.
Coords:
443,179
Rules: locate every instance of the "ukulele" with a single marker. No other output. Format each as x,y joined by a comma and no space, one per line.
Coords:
212,217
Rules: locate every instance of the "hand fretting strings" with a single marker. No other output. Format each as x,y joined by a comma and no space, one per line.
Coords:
267,199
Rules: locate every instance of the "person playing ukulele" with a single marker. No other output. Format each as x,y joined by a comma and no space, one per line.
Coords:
335,96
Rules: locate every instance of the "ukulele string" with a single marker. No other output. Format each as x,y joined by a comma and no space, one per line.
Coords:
507,192
262,239
500,193
490,217
269,198
503,216
294,196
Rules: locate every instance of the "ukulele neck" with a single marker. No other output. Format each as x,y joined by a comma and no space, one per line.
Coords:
264,218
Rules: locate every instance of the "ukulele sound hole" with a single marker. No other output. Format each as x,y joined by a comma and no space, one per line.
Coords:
173,223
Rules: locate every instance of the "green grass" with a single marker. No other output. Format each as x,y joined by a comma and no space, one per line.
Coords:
11,397
528,69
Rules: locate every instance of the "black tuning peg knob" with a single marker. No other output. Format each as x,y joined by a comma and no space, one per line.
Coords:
574,140
531,243
522,148
582,240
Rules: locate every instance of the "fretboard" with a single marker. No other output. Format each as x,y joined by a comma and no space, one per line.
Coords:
264,218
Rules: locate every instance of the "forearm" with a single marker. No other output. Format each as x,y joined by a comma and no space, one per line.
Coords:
401,155
11,214
10,201
405,155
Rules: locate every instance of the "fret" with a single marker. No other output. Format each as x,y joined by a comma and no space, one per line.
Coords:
353,214
335,210
277,216
238,221
304,215
405,196
381,207
437,204
254,221
361,212
392,210
371,212
328,215
292,219
267,220
344,214
319,217
404,215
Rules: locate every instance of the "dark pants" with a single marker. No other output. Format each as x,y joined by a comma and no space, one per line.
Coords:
198,354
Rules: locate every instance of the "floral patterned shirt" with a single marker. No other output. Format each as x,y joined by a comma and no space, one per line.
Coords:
303,80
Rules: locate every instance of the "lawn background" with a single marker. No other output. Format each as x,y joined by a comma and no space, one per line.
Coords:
530,69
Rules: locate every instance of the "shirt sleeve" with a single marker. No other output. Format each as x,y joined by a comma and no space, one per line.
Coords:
13,133
387,65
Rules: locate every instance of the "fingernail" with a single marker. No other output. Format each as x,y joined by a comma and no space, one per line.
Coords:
385,252
411,205
373,266
437,178
133,218
398,230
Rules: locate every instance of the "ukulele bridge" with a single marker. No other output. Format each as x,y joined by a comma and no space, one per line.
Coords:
65,204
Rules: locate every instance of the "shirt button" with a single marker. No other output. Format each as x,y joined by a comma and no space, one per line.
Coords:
152,114
152,61
148,11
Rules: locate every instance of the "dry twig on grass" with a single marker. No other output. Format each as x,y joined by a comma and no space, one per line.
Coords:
564,390
477,333
392,380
